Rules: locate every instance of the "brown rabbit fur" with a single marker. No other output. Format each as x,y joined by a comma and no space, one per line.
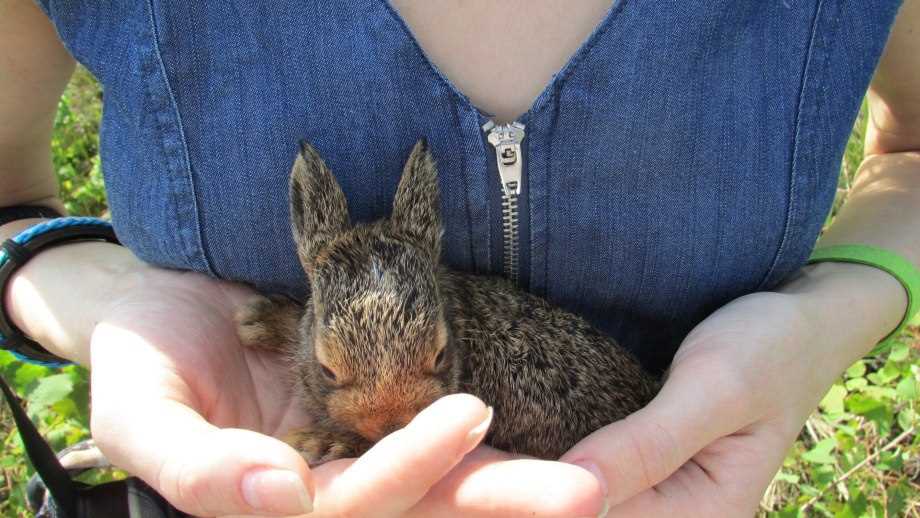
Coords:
388,330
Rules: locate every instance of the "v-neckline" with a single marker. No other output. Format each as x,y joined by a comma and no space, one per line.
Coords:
547,91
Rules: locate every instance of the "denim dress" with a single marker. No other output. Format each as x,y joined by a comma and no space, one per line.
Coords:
686,154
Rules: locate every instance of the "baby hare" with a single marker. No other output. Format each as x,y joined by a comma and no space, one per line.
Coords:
388,330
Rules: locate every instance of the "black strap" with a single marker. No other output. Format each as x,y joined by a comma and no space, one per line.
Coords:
17,253
128,498
8,214
43,459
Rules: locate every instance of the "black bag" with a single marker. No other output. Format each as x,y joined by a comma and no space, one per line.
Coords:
54,493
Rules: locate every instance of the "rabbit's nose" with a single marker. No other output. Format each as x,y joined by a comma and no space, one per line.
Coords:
380,425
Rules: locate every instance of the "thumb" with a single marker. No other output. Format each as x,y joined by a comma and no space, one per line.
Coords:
204,470
141,421
696,406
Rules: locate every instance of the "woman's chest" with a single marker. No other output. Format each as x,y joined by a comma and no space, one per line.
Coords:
501,54
682,155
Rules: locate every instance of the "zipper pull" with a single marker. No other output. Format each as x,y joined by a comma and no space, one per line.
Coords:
506,139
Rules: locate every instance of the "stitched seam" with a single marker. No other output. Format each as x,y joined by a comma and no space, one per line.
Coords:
548,178
181,128
532,216
791,209
45,6
466,194
575,61
426,62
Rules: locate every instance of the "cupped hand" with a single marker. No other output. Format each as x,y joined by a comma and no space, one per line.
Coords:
740,388
178,402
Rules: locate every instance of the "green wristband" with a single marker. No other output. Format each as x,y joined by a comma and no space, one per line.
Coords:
898,267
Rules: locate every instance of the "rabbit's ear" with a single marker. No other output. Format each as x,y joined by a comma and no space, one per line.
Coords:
319,211
417,207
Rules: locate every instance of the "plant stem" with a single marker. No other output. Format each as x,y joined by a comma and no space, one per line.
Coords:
894,442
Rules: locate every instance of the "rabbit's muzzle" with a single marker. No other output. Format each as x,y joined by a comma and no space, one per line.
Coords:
376,427
376,411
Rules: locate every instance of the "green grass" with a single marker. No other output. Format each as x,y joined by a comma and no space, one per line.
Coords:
857,456
75,146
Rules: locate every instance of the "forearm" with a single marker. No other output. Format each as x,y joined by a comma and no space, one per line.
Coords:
57,297
34,69
861,304
884,206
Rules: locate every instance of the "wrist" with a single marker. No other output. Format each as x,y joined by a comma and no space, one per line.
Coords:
57,297
13,228
855,306
14,219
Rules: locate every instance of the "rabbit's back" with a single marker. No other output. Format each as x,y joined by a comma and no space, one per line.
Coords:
551,377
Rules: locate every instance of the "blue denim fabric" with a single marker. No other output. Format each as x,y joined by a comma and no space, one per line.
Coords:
686,155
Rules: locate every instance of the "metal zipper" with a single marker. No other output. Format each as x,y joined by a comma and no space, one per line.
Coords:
506,139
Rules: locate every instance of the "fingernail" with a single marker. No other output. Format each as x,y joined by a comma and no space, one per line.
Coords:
276,491
474,437
599,475
596,471
604,511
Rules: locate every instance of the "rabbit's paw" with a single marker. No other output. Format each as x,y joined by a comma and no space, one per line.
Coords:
318,446
269,323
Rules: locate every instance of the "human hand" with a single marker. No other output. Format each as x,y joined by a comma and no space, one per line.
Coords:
739,389
178,402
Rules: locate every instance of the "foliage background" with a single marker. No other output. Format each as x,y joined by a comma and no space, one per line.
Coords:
857,456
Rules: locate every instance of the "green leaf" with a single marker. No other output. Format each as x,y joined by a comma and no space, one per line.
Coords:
899,352
66,408
872,409
791,511
833,400
50,390
860,404
914,321
27,373
889,460
855,384
811,491
847,429
898,495
857,504
822,452
846,442
6,358
856,370
787,477
885,375
907,389
880,393
906,418
846,512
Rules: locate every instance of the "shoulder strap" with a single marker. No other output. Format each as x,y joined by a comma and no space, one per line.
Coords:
129,498
43,459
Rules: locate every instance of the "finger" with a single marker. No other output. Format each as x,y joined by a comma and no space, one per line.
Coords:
144,423
700,402
397,472
490,483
